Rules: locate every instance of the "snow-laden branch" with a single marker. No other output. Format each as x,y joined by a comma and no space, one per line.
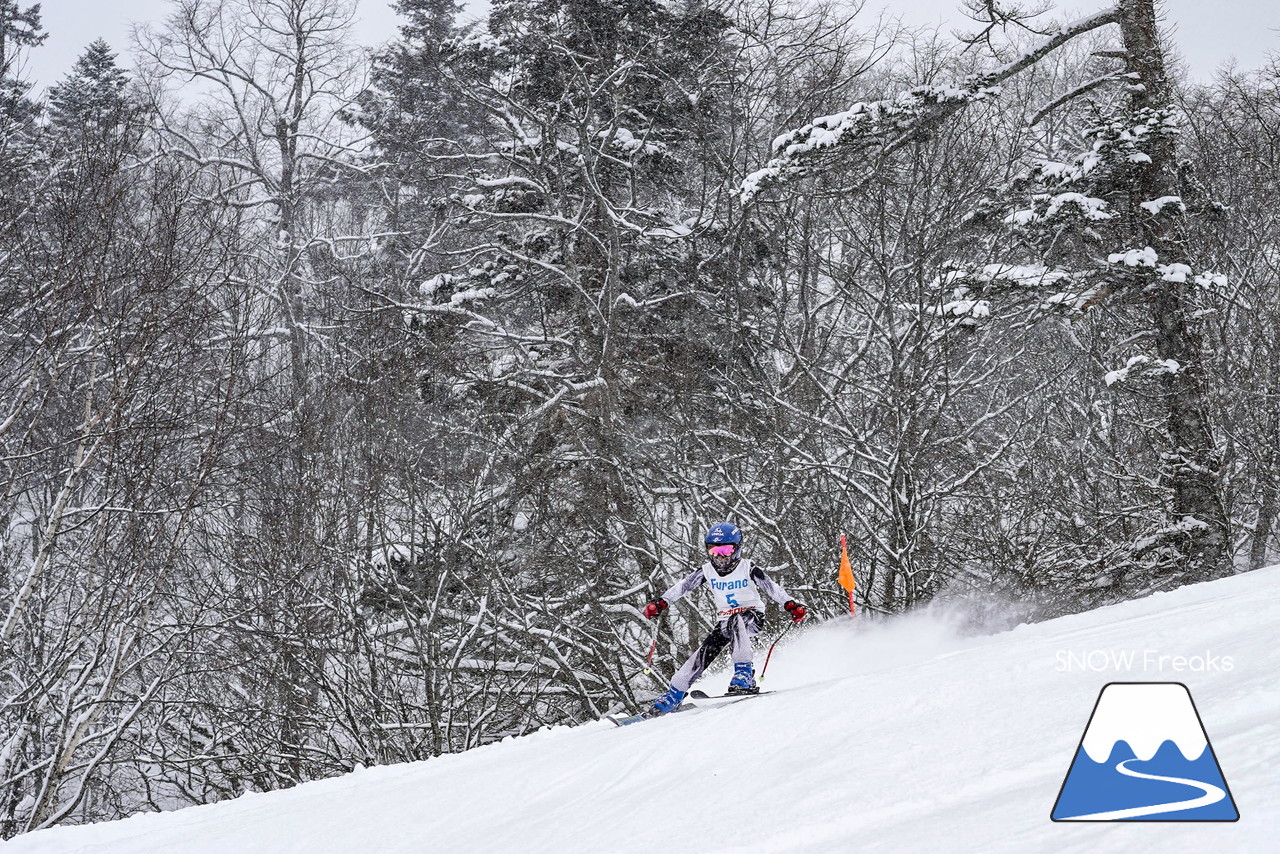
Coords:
1082,89
883,127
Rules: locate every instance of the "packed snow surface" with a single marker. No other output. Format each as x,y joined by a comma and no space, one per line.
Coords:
902,736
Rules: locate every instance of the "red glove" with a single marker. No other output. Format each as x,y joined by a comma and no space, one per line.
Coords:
796,611
656,607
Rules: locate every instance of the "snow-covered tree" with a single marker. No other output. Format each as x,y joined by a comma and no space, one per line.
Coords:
109,345
1103,229
1233,137
559,310
20,29
1114,221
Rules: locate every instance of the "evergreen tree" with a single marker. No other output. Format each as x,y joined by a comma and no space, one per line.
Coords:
575,297
94,129
91,99
19,29
414,116
1111,229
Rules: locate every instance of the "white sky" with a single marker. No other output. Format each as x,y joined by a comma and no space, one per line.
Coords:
1207,33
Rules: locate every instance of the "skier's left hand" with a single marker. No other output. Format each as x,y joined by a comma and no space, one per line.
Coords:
796,610
654,608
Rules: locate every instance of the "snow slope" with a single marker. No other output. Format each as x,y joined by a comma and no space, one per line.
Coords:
900,737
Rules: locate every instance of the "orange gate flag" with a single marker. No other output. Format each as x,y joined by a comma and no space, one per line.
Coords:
846,574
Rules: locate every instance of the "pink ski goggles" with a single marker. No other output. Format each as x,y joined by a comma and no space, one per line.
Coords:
723,551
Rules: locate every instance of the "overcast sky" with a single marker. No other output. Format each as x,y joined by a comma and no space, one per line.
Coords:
1207,33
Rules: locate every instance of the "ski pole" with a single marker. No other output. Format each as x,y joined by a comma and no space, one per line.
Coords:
771,646
657,630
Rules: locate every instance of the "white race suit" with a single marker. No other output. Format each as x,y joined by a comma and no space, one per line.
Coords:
739,607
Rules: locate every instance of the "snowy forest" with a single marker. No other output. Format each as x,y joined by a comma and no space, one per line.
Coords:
354,402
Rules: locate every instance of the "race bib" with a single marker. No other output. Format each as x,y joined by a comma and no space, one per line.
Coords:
733,592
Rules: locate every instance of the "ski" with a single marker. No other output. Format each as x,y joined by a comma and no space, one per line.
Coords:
703,695
628,720
625,721
686,706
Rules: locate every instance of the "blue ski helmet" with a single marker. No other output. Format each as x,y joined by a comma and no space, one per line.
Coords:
722,533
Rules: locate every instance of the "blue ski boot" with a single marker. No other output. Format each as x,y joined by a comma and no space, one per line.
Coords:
744,680
668,702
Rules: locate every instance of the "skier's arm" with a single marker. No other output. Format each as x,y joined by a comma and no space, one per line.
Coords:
778,593
680,589
775,590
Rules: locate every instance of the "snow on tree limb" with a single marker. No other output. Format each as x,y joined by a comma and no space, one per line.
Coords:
1073,94
887,125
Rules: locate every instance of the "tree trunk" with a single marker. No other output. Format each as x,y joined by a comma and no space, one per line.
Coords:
1269,495
1191,467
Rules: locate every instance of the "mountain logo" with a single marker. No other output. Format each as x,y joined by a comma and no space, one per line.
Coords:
1145,756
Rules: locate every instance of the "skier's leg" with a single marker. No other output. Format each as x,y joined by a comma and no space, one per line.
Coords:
690,671
743,627
701,659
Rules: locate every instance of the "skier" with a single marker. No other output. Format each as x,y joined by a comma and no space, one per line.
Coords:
735,584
